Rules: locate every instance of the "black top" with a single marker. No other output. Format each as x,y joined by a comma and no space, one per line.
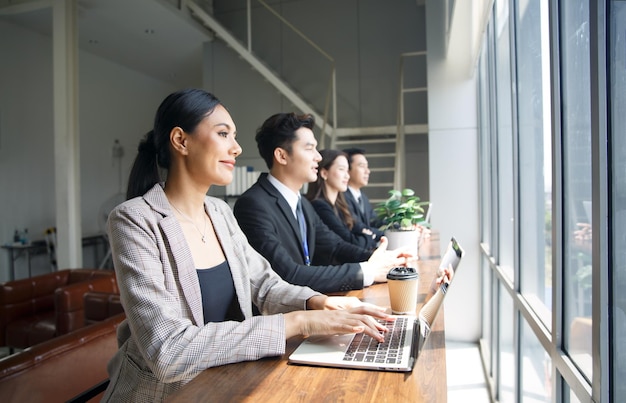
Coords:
219,300
334,221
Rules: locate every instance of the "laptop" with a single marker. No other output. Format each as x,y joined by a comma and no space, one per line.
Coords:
403,342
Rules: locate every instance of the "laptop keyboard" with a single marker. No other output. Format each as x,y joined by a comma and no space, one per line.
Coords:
366,349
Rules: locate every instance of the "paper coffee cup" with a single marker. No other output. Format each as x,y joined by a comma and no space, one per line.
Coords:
402,283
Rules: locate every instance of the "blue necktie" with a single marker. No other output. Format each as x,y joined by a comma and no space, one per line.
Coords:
361,205
302,224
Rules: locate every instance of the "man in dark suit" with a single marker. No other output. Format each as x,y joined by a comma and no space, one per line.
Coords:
358,203
283,226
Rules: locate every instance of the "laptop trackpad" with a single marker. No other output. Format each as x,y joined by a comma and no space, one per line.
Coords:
322,345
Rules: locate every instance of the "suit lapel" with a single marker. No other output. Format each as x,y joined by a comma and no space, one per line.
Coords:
283,207
355,208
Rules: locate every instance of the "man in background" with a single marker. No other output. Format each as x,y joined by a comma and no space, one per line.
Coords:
358,202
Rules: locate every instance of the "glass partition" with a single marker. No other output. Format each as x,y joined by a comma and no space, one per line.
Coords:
617,63
535,155
577,207
504,130
536,368
506,343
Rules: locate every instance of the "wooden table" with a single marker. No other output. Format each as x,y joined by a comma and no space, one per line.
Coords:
274,380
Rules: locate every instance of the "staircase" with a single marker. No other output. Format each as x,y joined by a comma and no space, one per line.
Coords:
247,55
387,162
381,163
384,145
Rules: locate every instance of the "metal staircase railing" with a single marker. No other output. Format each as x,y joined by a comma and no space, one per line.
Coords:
387,162
388,155
400,166
327,129
387,165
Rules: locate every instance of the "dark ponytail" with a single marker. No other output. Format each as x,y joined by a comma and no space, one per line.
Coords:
184,109
145,171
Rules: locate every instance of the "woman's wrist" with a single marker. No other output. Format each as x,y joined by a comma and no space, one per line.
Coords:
316,302
292,324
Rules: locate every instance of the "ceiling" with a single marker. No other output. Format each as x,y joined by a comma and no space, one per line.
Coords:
150,36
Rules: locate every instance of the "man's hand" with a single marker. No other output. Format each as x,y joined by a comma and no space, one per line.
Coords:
383,260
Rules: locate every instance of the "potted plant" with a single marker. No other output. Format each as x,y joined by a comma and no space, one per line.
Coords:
400,217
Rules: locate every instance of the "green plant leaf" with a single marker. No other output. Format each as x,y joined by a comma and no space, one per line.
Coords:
402,210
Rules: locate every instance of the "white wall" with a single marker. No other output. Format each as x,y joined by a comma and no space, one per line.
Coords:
114,103
453,145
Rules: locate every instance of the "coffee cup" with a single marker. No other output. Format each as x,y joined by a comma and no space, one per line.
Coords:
402,283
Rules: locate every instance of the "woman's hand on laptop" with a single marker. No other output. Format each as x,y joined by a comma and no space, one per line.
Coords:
331,303
361,319
348,303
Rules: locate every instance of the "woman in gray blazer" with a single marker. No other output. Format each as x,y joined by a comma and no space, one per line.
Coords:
188,277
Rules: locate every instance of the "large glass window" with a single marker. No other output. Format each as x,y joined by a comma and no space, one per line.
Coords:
535,155
485,149
506,346
617,62
486,212
505,238
568,395
577,206
542,84
489,309
536,368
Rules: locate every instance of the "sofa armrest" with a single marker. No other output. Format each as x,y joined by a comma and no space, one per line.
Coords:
101,305
69,301
60,368
28,297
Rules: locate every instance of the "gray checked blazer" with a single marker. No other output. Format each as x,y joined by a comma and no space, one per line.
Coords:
164,343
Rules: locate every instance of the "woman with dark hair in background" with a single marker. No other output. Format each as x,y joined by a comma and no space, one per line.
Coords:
326,196
188,277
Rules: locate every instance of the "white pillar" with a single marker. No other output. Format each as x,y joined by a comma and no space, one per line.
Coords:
66,133
453,162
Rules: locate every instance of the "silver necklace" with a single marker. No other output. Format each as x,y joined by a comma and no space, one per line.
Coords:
202,233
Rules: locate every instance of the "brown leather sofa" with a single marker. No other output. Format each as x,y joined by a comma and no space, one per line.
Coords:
62,368
39,308
100,306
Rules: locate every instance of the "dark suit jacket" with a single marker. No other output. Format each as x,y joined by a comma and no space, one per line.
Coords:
334,221
271,228
368,215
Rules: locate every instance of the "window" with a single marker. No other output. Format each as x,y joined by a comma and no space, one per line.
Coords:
485,149
504,252
536,368
552,89
617,63
576,140
535,155
506,363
